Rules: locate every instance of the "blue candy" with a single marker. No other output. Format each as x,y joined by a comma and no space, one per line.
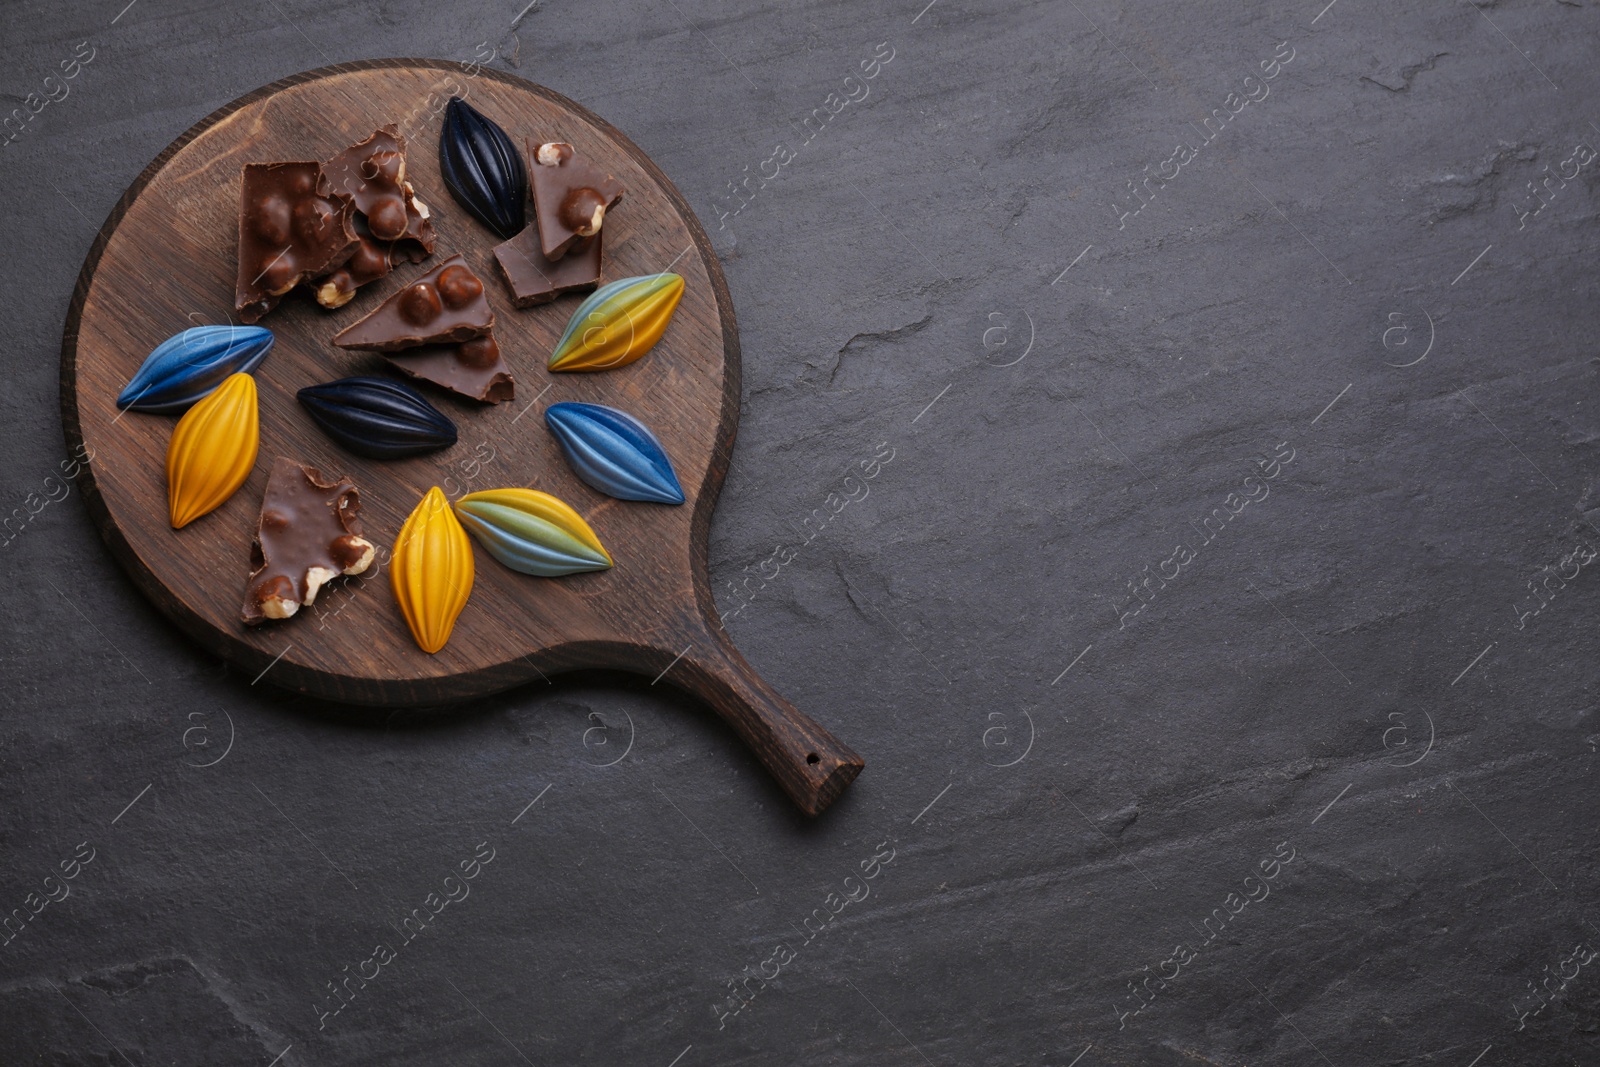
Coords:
614,452
189,365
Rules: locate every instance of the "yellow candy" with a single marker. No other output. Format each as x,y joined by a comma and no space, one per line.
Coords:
431,571
213,450
618,323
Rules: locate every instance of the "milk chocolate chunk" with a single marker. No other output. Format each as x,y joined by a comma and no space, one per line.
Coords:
570,197
373,173
393,223
309,533
533,279
291,227
371,261
474,368
445,306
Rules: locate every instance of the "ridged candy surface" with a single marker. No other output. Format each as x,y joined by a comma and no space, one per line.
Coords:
618,323
378,417
189,365
614,452
431,571
532,532
483,169
213,450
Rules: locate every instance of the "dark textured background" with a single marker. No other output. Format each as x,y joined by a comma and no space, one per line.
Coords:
1357,639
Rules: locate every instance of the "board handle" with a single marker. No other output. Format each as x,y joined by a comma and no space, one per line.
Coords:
811,765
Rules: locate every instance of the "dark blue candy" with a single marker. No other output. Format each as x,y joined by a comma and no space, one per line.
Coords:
483,169
377,417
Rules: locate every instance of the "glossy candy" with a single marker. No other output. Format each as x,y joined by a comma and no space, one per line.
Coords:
532,532
377,417
483,169
618,323
431,571
213,450
189,365
614,452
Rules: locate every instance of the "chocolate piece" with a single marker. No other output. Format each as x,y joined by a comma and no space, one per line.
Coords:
475,368
570,197
291,228
373,173
309,533
446,305
392,222
534,279
371,261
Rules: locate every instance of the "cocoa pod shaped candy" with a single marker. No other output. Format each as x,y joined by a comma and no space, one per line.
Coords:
482,169
377,417
189,365
431,571
213,450
614,452
532,532
618,323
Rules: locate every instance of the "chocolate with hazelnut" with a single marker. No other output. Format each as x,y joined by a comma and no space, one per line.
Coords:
446,305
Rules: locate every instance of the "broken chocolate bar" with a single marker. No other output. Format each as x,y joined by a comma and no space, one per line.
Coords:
371,261
373,172
309,533
536,280
446,305
570,197
392,222
291,227
474,369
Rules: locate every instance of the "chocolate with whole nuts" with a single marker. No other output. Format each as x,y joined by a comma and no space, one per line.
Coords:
373,174
371,261
291,227
446,305
570,197
392,221
309,533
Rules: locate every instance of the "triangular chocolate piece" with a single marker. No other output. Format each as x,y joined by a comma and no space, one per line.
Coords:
474,368
446,305
533,279
570,197
291,227
309,533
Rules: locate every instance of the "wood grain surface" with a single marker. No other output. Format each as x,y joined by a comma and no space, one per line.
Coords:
165,261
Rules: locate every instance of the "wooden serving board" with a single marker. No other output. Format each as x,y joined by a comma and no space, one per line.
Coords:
165,261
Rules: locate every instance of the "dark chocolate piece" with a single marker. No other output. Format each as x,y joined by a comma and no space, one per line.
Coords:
481,168
446,305
474,369
533,279
377,417
570,197
291,227
373,173
309,533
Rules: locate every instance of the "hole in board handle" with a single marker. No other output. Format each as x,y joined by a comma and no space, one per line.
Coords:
812,757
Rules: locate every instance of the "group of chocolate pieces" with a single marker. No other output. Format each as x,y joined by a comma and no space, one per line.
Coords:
338,225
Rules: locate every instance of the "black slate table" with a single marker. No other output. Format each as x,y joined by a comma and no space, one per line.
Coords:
1168,456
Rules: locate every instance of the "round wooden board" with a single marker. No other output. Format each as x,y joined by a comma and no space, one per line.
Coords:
165,261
